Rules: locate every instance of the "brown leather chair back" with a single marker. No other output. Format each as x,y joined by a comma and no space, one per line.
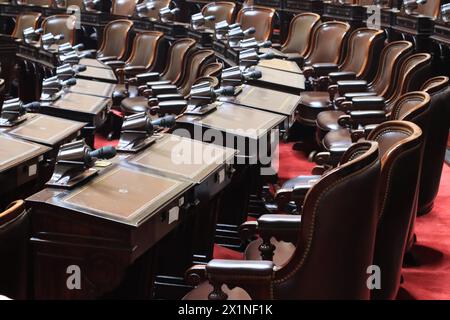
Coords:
300,33
261,18
364,46
222,10
115,39
327,43
213,81
400,145
195,63
430,8
23,21
176,60
14,237
61,24
337,233
154,14
123,7
213,69
412,71
435,142
391,55
413,107
145,48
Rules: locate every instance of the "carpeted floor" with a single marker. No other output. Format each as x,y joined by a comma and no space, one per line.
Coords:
429,280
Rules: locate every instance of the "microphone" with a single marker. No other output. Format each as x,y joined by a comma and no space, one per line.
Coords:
106,152
14,108
32,106
225,91
411,5
142,122
445,12
165,122
166,14
252,75
267,56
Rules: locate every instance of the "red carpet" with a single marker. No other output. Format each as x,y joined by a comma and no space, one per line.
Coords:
431,279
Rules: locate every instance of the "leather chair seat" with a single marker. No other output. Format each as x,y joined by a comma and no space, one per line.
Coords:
312,104
328,120
202,291
282,254
134,105
337,140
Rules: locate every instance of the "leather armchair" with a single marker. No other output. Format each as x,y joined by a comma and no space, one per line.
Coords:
382,85
14,236
364,46
115,40
142,59
213,69
401,149
24,21
300,33
61,24
261,18
123,7
329,250
221,10
435,142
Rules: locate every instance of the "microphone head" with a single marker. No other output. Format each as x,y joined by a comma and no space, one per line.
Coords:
265,44
250,30
32,106
79,46
106,152
253,74
268,55
70,82
226,91
80,68
210,18
166,121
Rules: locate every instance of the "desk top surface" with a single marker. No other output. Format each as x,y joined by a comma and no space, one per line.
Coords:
15,151
45,129
265,99
93,63
279,77
81,103
179,156
98,73
237,120
123,194
280,64
93,88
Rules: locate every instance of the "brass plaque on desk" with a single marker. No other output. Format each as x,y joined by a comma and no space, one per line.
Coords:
14,152
238,120
81,103
280,64
101,74
184,157
265,99
281,78
125,195
46,129
93,88
93,63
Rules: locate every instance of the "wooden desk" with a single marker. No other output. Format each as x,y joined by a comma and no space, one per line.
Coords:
110,228
93,88
98,74
280,80
280,64
21,164
79,107
250,132
93,63
209,168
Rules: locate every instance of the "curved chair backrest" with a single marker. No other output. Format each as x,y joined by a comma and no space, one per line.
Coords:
61,24
195,63
435,141
23,21
222,10
391,55
145,48
213,69
362,50
300,32
413,107
176,59
337,232
327,43
413,70
400,145
14,237
123,7
213,81
261,18
115,39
